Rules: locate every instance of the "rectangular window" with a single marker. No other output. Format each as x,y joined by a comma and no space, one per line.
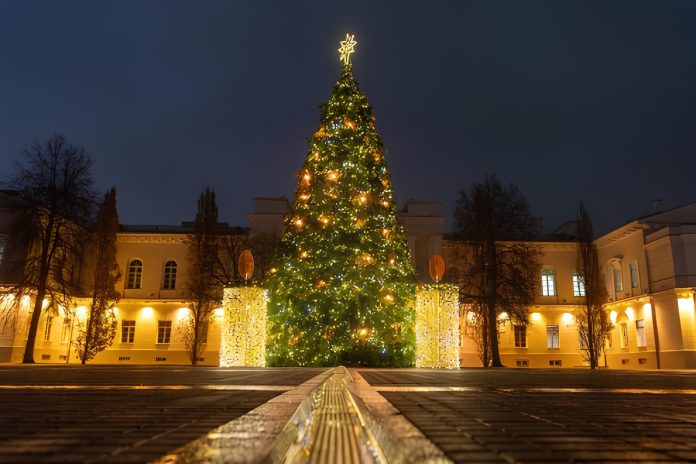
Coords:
65,331
522,363
578,285
623,327
552,333
127,331
555,363
548,282
164,331
49,326
520,336
635,281
640,334
610,340
618,280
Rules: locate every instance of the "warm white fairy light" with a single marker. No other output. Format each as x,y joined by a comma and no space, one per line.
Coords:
437,326
243,327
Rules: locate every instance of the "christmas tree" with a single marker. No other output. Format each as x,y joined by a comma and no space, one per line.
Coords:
344,284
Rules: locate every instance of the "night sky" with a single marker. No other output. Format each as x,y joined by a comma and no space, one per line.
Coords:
592,101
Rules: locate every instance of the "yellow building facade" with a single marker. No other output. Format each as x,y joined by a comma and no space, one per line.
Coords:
649,266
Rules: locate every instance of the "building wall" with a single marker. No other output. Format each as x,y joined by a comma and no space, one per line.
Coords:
660,305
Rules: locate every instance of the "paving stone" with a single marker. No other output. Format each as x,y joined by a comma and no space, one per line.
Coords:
504,412
121,424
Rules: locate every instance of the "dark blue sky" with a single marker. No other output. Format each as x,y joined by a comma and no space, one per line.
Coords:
592,101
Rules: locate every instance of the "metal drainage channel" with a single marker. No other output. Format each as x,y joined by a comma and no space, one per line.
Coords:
337,431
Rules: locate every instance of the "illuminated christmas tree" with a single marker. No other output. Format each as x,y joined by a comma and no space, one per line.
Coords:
344,285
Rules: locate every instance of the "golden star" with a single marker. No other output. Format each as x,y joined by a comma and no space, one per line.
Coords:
347,48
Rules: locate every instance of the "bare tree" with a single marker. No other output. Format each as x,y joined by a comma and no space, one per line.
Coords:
203,289
500,271
55,182
98,331
262,246
593,323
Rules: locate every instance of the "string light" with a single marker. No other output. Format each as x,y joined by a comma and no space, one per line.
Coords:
243,327
347,48
437,326
363,249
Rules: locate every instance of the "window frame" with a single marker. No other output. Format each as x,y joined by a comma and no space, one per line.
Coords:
128,331
134,278
641,340
65,330
516,331
548,282
164,332
48,327
578,285
550,338
170,271
623,332
635,274
618,279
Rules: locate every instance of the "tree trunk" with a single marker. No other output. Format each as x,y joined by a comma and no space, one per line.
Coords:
493,336
485,358
33,327
194,344
88,339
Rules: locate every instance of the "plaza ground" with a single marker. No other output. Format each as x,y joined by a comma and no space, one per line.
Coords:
137,414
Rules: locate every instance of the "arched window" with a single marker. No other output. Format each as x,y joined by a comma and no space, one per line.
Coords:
135,274
169,275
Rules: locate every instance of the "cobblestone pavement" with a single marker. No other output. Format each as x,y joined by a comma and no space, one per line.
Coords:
512,415
121,414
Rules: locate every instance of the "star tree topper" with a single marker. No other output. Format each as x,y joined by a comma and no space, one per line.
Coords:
347,48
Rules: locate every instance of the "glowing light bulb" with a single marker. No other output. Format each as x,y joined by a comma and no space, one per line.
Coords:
362,332
385,203
304,197
299,222
306,177
321,284
182,314
332,176
567,318
303,254
392,261
389,297
536,316
362,199
81,311
219,312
